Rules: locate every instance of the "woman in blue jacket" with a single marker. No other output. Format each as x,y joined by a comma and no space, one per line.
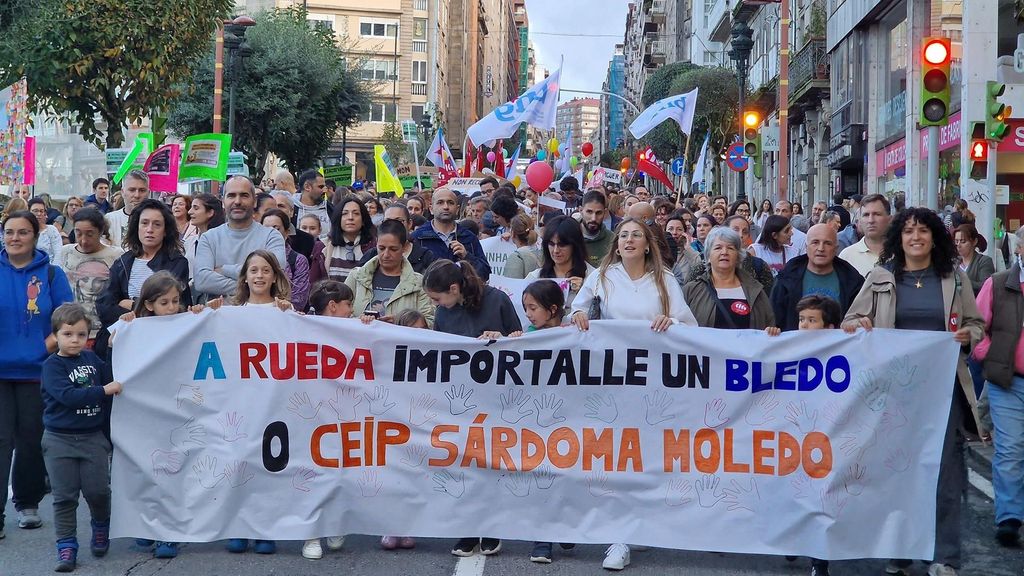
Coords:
152,244
30,289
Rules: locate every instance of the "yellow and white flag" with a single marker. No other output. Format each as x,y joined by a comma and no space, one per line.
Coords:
386,179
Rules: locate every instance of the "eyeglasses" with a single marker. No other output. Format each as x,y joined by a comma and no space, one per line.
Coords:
554,244
635,234
38,212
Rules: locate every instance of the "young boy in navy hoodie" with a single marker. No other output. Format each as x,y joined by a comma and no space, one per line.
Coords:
76,388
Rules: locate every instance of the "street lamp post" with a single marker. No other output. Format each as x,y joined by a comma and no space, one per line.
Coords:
238,50
742,44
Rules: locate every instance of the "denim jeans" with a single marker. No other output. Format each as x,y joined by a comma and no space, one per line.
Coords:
21,434
1007,408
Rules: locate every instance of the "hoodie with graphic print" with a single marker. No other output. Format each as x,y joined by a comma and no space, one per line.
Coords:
28,296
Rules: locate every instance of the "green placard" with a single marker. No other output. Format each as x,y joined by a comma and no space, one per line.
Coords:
205,157
341,174
410,181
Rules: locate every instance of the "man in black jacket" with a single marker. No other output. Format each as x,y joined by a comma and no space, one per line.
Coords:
817,272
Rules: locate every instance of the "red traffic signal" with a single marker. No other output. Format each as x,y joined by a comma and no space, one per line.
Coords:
936,51
936,56
979,150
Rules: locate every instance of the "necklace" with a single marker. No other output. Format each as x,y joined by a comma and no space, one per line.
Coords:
918,277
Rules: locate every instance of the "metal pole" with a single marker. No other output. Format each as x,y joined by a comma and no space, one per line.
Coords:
784,102
932,201
232,77
990,185
416,161
741,72
612,94
218,88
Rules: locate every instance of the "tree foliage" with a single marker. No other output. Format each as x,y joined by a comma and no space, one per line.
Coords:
115,60
659,85
292,98
391,138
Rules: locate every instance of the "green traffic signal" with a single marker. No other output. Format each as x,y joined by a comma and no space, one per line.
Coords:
996,112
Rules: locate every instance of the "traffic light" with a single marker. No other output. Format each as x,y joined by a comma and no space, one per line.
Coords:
996,112
935,63
752,139
978,152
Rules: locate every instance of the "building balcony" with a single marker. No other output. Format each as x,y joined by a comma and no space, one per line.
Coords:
656,52
809,74
658,10
719,22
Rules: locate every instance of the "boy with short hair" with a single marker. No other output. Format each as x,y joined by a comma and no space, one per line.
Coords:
76,452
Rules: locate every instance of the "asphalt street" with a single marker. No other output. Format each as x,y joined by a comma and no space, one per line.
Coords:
32,553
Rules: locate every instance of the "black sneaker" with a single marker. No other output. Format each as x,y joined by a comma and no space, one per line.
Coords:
465,547
541,553
100,541
1008,533
67,557
490,546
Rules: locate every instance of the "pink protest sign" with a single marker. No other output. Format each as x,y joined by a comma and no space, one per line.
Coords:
162,167
29,160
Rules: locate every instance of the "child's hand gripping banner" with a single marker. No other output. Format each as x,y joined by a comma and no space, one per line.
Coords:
256,423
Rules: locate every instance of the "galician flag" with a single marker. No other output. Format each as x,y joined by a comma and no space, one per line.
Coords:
679,108
537,107
386,179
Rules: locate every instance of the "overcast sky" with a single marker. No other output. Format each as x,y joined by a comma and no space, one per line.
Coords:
586,58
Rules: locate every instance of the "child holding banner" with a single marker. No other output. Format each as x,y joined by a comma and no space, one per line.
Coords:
76,452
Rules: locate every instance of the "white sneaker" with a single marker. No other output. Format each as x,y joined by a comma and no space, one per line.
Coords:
312,549
335,542
937,569
616,557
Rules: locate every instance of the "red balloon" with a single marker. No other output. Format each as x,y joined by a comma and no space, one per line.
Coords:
625,164
539,176
588,149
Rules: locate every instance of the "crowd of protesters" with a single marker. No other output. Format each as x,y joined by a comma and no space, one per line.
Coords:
305,244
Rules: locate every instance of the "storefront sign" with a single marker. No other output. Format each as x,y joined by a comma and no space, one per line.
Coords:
1014,142
894,155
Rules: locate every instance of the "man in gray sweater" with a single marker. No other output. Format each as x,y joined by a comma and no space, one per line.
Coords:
221,251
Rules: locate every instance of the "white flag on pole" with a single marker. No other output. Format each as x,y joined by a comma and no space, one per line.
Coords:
439,154
698,170
679,108
537,107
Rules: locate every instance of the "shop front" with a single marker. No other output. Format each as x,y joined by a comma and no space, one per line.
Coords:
892,163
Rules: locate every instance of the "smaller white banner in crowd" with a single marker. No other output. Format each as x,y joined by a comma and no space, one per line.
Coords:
497,251
465,186
257,423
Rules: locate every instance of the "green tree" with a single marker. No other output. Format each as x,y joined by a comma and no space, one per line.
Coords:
294,96
109,59
391,138
717,111
659,85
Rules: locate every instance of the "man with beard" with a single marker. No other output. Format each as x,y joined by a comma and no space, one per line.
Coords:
597,238
447,239
134,189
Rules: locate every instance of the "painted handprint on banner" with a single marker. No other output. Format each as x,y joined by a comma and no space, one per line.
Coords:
801,484
714,413
167,461
517,484
857,439
597,485
378,401
421,409
237,473
761,409
897,460
230,424
458,399
833,501
804,420
302,406
743,498
189,393
514,406
344,403
659,408
893,418
873,391
370,483
302,477
678,492
414,455
454,486
834,413
708,493
855,478
188,435
544,477
547,410
205,472
601,407
902,373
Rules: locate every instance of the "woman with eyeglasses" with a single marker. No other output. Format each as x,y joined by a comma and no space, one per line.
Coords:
631,284
50,240
563,255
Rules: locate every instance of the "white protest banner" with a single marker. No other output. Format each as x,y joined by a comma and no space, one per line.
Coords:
497,251
256,423
464,186
514,288
536,106
545,205
679,108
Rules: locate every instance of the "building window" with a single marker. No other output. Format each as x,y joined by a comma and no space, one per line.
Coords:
419,71
419,46
419,28
321,20
378,70
380,113
420,5
417,113
370,28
